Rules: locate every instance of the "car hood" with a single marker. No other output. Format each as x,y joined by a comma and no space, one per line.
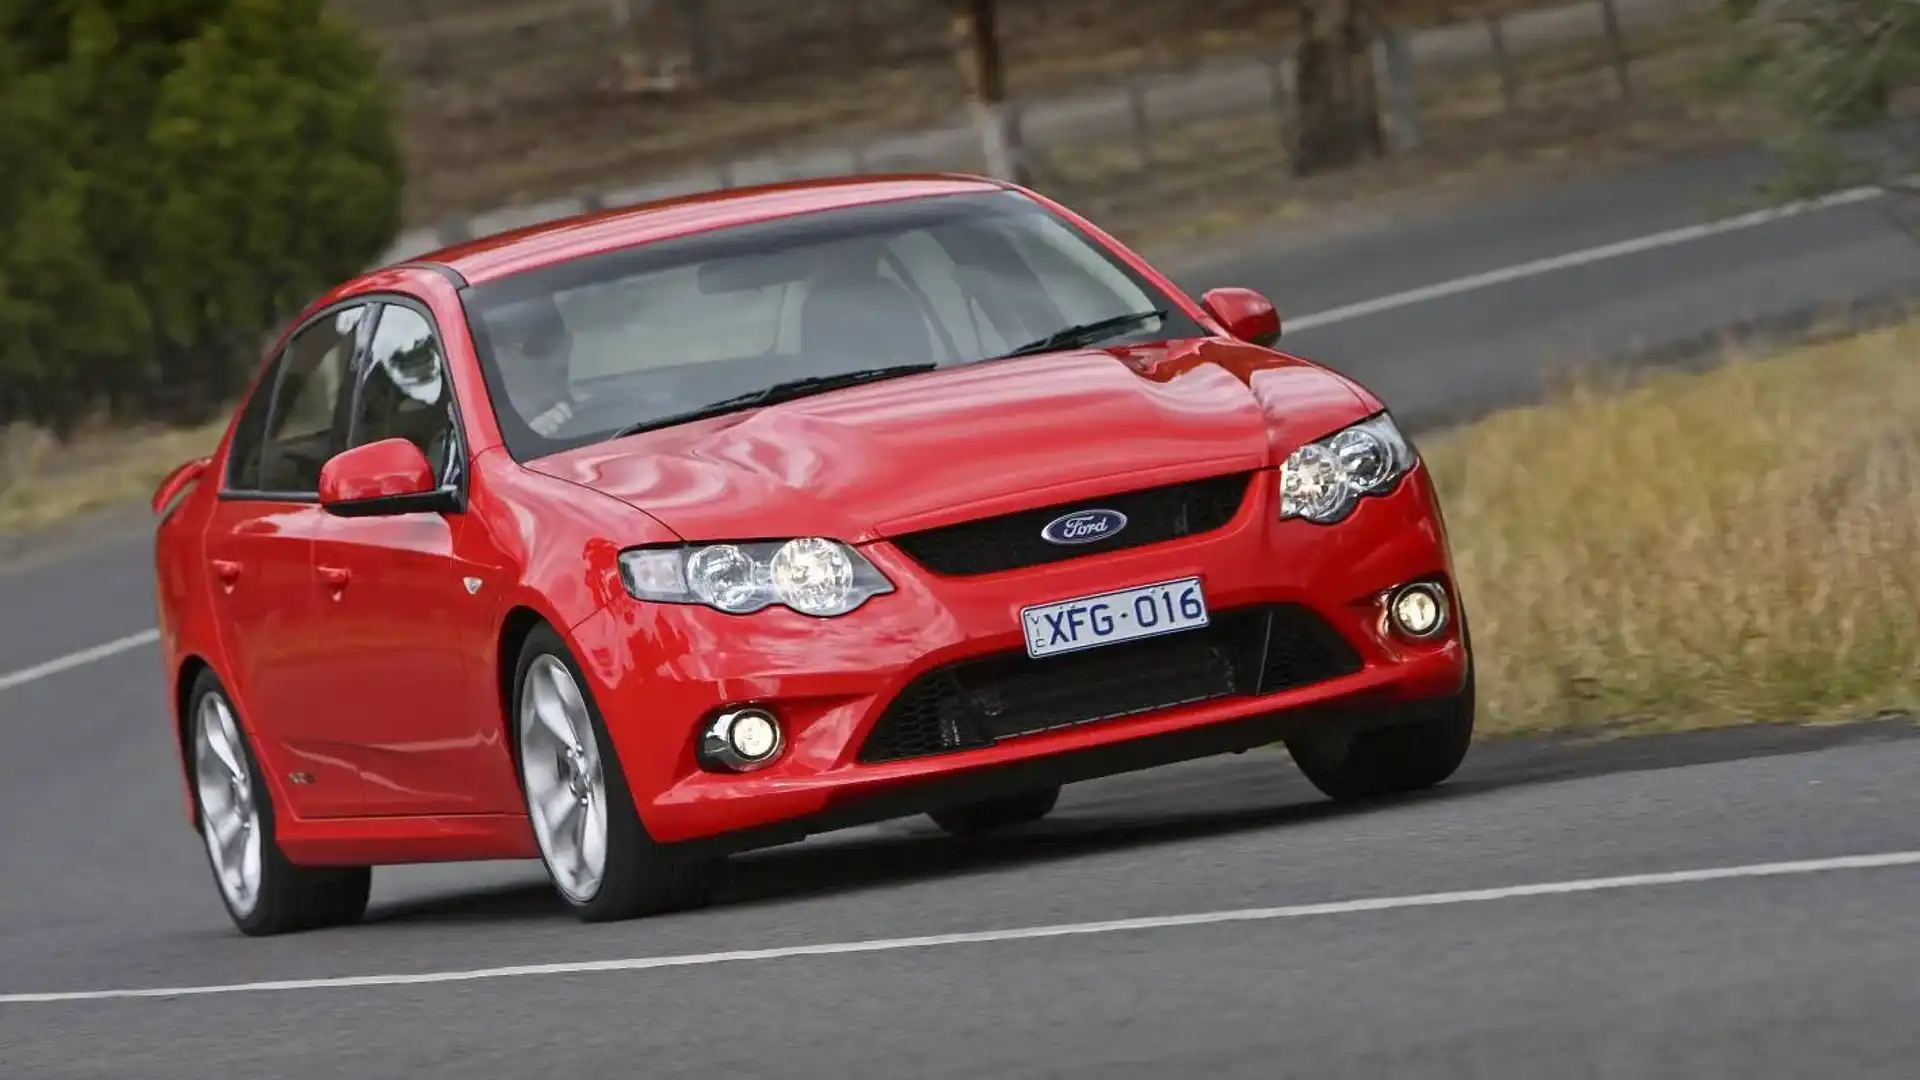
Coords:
925,450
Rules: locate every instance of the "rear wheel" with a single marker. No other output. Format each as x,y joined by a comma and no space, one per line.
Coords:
993,815
1412,756
595,848
263,892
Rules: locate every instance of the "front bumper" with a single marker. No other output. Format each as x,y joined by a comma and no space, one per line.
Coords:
661,671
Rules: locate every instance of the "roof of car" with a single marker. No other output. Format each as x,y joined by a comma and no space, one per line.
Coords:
550,242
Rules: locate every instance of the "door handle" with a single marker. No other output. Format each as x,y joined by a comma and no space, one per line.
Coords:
227,571
335,576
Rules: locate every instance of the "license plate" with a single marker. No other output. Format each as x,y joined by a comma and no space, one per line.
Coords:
1123,615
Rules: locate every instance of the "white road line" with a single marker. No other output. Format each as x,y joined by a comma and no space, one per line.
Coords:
1161,922
1361,310
1539,267
79,659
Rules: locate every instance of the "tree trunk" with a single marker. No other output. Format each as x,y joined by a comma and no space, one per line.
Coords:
976,48
1336,99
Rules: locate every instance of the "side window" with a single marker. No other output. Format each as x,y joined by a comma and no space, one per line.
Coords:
250,432
405,392
300,428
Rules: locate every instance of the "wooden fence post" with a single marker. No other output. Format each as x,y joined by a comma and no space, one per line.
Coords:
1503,62
427,61
1617,41
1279,93
700,57
1403,89
1142,132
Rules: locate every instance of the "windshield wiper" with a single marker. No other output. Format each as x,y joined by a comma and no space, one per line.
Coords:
1077,337
773,395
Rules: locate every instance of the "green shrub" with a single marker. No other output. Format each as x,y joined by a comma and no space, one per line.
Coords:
180,176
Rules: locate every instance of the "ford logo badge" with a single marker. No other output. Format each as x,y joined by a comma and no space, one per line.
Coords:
1084,527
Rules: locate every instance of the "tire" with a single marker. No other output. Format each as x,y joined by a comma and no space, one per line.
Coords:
632,875
993,815
1397,760
263,892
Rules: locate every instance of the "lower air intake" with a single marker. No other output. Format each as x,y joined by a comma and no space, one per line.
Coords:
975,703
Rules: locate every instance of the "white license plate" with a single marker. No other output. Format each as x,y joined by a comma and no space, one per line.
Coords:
1123,615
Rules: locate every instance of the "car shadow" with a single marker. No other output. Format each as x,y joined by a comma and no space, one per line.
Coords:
785,874
1177,804
496,903
1118,814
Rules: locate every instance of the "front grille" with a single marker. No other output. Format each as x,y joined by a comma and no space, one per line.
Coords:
1246,651
1013,541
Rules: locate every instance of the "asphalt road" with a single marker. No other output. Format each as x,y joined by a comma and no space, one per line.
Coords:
1767,970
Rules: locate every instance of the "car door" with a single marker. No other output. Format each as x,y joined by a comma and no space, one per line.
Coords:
418,706
259,545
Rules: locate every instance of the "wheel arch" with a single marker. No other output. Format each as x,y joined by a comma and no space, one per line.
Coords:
519,624
191,666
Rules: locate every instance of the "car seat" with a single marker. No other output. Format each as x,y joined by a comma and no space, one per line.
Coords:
853,318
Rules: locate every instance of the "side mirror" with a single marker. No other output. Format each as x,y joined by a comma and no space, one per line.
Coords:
383,479
1246,314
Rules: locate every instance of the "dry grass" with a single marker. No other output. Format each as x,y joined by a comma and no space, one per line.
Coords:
1702,549
43,481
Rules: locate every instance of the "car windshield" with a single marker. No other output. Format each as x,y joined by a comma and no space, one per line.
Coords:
580,351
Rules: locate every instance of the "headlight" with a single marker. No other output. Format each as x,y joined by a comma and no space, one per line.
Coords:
810,575
1323,481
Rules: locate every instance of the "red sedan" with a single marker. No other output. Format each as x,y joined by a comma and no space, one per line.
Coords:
634,540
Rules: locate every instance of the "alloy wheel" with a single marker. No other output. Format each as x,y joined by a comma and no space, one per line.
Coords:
566,789
229,817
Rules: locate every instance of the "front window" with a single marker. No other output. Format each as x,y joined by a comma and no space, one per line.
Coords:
404,392
577,352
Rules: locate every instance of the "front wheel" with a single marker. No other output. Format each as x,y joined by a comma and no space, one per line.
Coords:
263,892
1412,756
596,850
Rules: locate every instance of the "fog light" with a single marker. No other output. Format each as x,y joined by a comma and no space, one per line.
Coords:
1419,610
742,739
